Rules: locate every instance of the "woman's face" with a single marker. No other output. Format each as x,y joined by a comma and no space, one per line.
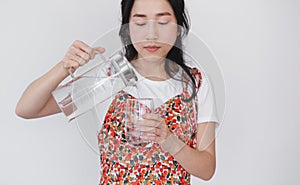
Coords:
153,28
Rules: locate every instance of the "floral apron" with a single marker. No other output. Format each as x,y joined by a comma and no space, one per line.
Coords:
122,163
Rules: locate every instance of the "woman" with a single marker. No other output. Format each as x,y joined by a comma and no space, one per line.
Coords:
182,147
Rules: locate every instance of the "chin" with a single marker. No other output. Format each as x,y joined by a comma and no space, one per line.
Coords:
153,58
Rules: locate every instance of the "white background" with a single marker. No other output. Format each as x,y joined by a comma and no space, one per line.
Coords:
256,42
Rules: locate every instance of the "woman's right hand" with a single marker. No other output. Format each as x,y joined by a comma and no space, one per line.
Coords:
79,54
37,99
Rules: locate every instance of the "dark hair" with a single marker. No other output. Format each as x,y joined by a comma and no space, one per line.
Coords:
176,53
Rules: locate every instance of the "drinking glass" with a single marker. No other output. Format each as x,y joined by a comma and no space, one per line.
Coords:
135,109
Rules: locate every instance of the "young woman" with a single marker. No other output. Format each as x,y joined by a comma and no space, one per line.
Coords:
183,145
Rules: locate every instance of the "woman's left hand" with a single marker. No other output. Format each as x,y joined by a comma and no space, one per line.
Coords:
153,128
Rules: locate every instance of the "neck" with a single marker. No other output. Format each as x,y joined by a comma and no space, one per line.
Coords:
153,69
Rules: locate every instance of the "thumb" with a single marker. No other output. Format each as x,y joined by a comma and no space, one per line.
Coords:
97,50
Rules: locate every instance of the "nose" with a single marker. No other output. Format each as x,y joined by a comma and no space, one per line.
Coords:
152,33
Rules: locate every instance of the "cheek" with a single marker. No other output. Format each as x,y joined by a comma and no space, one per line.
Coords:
136,38
168,36
136,35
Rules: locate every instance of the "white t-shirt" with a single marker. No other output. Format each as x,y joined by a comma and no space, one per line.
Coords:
162,91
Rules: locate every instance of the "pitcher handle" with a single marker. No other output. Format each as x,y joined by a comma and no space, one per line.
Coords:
71,69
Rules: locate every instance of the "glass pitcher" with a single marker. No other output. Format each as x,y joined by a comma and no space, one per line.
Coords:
95,85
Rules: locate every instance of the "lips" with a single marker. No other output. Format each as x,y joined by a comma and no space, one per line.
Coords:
152,48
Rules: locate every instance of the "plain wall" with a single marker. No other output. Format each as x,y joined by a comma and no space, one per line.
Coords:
257,44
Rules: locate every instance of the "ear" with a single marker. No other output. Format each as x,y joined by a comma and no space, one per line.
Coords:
179,31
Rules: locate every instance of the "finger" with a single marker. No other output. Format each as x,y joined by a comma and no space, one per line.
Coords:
148,123
160,131
153,138
154,120
151,130
69,63
148,137
77,59
155,117
78,55
84,47
82,54
97,50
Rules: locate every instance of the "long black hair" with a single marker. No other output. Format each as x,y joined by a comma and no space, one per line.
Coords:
176,53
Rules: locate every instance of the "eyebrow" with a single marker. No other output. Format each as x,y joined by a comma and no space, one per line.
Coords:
157,15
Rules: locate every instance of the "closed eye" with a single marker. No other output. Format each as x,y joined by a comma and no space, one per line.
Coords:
140,24
163,23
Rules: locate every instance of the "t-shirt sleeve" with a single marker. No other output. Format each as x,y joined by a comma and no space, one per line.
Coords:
206,103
